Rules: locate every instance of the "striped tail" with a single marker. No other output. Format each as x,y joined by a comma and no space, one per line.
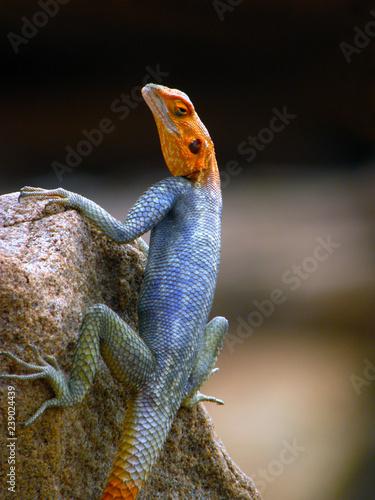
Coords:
145,429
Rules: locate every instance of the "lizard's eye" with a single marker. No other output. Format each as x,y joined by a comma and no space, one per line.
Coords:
179,109
195,146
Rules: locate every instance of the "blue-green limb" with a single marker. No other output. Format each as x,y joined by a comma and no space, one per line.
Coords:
210,347
102,331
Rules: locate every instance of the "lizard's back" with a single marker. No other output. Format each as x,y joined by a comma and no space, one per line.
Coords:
180,278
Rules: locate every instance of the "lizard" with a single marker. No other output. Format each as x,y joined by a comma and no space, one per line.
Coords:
174,352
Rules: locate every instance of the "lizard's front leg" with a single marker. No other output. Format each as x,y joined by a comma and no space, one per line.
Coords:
150,208
101,219
96,214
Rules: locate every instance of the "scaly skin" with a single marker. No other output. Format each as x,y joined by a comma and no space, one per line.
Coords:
174,353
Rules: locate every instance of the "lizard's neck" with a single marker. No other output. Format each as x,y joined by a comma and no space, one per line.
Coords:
208,177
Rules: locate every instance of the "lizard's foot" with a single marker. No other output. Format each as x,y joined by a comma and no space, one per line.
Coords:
47,369
59,195
198,397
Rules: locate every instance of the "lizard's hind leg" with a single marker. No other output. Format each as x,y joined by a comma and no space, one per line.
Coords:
123,350
210,347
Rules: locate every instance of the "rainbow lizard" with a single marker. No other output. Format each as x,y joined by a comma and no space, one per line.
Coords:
174,353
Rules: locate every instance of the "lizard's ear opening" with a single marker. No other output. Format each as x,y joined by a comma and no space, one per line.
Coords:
195,146
183,158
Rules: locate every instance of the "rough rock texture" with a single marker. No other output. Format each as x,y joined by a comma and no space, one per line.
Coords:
52,267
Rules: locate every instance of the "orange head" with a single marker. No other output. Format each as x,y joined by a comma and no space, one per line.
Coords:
187,146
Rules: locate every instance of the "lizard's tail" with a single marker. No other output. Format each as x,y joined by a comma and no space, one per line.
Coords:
145,429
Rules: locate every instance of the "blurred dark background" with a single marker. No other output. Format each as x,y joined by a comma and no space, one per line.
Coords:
302,375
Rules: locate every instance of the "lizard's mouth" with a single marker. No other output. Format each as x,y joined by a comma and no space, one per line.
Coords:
152,95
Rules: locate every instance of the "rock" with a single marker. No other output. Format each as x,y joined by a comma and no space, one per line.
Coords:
53,265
